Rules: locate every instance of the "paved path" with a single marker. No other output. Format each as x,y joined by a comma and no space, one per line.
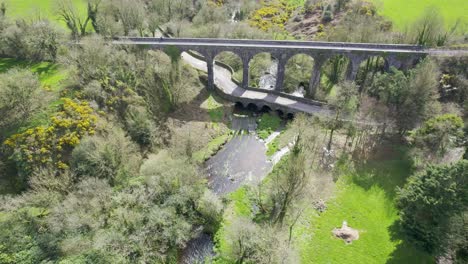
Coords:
225,84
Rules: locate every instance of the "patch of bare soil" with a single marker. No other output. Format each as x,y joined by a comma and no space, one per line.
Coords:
307,25
346,233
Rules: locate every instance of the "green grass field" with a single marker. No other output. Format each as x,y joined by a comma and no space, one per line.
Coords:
49,73
38,8
365,200
404,12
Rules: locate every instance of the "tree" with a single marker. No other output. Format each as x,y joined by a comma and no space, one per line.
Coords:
252,243
68,13
429,201
411,97
131,15
429,29
112,157
290,183
34,41
440,133
344,104
19,97
3,9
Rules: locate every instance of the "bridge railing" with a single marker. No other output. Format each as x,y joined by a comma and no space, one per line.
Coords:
185,41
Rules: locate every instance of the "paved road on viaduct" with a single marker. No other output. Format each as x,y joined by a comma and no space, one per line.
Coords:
220,77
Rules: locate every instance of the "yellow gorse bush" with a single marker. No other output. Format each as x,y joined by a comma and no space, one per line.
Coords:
49,145
272,14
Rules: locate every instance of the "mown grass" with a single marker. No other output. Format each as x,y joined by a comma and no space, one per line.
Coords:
404,12
365,199
267,124
39,8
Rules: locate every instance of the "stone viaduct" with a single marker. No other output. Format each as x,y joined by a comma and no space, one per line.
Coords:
399,56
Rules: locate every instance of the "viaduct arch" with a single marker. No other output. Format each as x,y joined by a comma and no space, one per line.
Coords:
398,56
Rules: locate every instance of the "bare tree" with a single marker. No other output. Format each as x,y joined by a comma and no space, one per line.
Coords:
70,15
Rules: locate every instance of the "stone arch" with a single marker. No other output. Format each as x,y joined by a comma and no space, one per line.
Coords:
265,109
368,68
298,73
252,107
279,112
262,71
239,104
234,61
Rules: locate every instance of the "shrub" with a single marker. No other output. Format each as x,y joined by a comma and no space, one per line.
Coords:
140,126
268,124
19,97
112,157
211,208
440,133
50,145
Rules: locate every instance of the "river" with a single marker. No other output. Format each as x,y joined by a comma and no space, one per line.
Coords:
242,160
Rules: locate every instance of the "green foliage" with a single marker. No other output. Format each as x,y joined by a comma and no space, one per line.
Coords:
335,70
233,61
412,97
211,209
440,133
272,15
139,125
258,65
211,148
252,243
429,29
33,41
430,200
273,147
19,98
50,145
267,124
298,72
112,157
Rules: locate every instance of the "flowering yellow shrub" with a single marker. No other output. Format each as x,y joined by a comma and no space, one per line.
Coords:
272,14
50,145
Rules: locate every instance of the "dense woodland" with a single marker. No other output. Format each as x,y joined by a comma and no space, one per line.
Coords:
107,165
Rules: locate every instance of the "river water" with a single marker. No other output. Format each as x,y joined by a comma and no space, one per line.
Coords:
242,160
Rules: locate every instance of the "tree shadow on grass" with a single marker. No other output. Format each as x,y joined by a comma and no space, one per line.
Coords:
406,252
389,167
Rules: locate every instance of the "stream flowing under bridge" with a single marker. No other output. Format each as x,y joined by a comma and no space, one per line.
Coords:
202,53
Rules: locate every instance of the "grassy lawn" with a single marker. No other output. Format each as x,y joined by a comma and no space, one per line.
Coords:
267,124
35,8
365,200
404,12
